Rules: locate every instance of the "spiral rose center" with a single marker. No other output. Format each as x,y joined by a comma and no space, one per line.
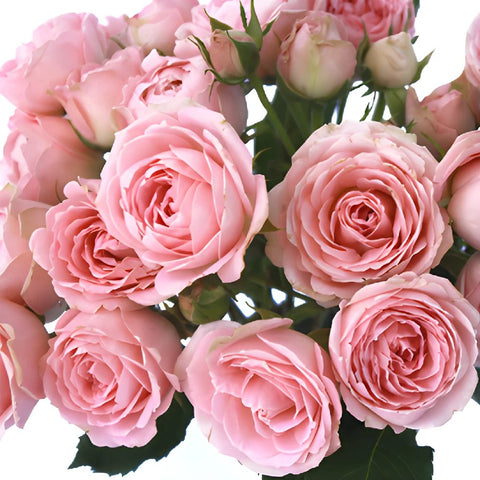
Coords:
362,219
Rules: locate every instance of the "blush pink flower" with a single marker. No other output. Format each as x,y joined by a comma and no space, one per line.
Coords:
315,60
439,118
22,280
110,373
43,153
23,341
380,18
468,283
154,27
179,189
404,352
263,394
472,53
92,91
355,207
76,39
457,181
164,79
89,267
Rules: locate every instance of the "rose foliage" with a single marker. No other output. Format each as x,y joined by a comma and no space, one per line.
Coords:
306,286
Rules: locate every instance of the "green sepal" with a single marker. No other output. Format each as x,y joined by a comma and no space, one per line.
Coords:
217,24
421,65
248,54
254,29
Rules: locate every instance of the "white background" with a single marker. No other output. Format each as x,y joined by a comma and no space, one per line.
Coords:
46,446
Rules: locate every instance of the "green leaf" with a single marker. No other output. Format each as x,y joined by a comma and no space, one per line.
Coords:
171,427
370,454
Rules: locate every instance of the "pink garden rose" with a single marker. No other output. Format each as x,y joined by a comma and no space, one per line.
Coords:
457,182
91,92
468,281
43,153
439,118
380,18
23,341
355,207
76,39
315,59
21,279
472,53
89,267
404,352
263,394
164,79
154,27
178,188
110,373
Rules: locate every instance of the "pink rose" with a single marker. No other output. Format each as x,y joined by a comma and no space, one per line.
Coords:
21,279
110,373
457,182
315,59
284,12
179,190
154,27
23,341
263,394
28,80
43,153
355,207
89,267
472,53
468,283
165,79
91,92
380,18
403,351
439,118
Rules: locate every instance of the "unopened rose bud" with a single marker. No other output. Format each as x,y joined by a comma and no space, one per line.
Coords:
392,61
315,60
203,302
233,54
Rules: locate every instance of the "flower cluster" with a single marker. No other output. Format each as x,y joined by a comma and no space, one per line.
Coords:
136,205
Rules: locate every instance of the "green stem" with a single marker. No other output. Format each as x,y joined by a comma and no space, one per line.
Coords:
341,108
317,115
370,460
272,115
379,107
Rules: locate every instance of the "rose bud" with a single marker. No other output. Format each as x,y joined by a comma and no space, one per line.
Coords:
204,301
315,59
233,54
392,61
439,118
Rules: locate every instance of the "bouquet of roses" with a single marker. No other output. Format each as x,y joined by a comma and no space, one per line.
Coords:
307,287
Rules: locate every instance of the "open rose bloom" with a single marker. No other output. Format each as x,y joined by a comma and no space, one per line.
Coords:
356,206
111,373
403,351
262,393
